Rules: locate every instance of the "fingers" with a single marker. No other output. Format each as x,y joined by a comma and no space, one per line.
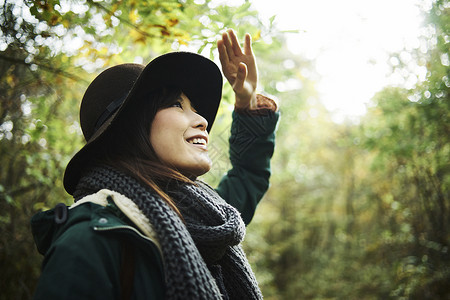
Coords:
223,55
231,44
234,43
227,43
248,45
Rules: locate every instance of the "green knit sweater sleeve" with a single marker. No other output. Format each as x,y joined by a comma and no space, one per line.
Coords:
252,143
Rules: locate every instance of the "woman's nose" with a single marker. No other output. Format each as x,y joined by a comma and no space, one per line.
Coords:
199,121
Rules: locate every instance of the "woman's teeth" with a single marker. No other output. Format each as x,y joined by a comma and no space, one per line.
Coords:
200,141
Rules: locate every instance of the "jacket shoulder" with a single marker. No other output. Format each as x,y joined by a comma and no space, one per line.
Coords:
94,219
83,254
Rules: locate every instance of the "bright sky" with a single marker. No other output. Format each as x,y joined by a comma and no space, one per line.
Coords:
350,41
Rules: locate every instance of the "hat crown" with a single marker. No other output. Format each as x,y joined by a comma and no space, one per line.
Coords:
111,85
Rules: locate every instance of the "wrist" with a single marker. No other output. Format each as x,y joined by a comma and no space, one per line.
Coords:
245,104
261,105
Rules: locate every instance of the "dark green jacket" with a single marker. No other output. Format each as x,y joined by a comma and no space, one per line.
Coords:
83,255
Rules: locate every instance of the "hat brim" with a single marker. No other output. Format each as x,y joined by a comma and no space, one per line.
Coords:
198,77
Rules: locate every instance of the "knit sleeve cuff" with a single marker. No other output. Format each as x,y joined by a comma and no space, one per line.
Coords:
264,105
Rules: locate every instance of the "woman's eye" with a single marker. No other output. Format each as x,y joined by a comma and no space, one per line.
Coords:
177,104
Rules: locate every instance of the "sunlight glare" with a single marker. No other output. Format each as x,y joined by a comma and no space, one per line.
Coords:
350,42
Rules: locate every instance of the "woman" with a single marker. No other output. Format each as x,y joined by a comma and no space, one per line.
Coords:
143,226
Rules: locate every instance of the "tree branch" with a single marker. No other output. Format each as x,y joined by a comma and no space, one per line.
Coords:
44,67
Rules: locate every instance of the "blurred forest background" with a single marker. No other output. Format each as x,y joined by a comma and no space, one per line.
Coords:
356,210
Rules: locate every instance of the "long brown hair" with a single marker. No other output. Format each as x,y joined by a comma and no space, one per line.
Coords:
128,146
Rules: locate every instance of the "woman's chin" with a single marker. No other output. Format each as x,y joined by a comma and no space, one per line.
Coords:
198,169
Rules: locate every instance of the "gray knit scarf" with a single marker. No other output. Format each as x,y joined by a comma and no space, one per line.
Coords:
202,257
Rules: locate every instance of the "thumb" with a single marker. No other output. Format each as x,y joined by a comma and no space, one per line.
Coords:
240,77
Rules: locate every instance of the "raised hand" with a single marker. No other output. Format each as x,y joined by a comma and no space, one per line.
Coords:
239,68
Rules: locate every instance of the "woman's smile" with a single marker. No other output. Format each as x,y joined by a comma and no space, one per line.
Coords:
200,142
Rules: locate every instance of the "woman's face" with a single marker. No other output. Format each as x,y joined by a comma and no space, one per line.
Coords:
179,137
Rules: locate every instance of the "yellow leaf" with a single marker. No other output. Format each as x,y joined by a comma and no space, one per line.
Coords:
114,8
137,37
66,23
257,36
172,22
10,80
102,51
182,42
141,40
133,15
40,206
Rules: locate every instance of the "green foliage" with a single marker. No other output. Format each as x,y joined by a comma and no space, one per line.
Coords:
360,211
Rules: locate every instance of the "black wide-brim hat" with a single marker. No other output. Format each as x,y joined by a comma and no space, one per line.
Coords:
113,90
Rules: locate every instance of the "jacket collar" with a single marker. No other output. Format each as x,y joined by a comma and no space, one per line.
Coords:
106,197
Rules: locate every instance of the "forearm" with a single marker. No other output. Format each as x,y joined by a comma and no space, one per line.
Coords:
252,144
